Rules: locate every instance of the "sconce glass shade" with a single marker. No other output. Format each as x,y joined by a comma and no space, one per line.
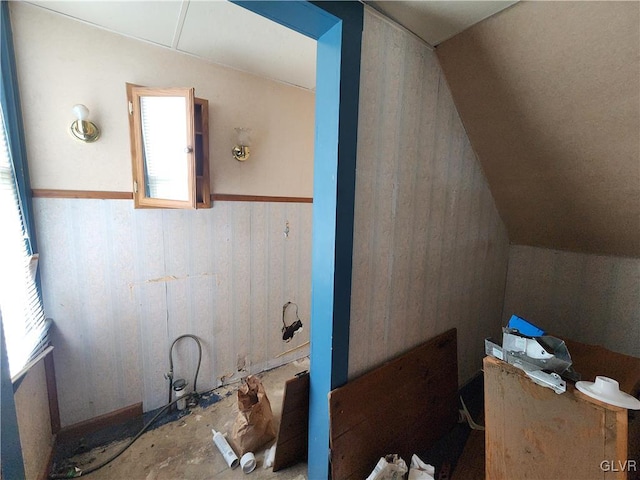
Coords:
81,111
244,136
82,128
241,151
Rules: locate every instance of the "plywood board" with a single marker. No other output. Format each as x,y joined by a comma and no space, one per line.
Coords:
531,432
401,407
470,465
291,446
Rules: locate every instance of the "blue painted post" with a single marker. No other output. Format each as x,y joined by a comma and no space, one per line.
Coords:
337,26
323,257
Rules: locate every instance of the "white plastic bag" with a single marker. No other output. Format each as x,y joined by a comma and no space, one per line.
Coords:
391,467
420,470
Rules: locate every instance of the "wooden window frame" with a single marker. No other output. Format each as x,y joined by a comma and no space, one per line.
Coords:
199,195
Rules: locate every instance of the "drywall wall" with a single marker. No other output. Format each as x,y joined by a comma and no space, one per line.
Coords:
549,94
62,62
122,284
34,422
430,251
589,298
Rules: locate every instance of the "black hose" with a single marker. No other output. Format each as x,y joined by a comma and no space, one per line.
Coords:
74,473
195,379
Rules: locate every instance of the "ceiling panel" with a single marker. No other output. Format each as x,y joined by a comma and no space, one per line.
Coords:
436,21
231,35
154,21
227,34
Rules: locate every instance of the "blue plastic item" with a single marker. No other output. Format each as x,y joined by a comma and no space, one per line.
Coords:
524,327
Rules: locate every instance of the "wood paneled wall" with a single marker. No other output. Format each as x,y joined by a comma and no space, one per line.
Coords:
122,284
430,249
589,298
34,422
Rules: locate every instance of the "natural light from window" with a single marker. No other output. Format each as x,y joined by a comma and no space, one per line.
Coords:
164,134
22,315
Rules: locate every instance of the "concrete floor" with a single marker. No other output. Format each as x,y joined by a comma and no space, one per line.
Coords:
183,449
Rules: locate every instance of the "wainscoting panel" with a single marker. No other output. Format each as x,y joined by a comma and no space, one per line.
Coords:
122,284
430,251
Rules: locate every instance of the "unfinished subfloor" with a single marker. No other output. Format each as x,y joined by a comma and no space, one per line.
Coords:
183,449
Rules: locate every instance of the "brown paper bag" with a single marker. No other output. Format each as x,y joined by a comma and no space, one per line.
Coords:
254,424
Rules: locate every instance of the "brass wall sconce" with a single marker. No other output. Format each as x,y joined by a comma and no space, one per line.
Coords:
242,150
82,128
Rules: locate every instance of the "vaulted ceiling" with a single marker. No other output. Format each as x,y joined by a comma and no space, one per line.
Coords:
549,93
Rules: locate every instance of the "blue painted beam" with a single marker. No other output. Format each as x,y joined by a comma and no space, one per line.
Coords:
323,256
338,74
337,26
301,16
352,17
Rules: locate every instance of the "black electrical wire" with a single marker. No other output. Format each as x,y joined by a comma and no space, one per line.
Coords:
288,331
170,375
284,310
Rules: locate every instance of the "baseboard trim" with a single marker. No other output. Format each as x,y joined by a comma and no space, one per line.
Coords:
79,430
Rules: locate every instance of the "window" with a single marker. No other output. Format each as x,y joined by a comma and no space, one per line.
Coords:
22,315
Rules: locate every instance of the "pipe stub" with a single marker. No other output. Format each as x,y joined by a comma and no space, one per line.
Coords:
248,462
179,384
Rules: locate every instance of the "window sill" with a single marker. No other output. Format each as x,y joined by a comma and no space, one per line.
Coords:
15,380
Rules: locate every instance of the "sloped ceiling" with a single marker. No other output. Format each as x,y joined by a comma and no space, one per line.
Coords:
549,93
436,21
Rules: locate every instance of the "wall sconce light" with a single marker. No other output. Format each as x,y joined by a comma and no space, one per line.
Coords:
241,151
82,128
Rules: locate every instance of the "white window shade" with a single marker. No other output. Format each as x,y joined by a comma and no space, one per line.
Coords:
23,318
164,138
